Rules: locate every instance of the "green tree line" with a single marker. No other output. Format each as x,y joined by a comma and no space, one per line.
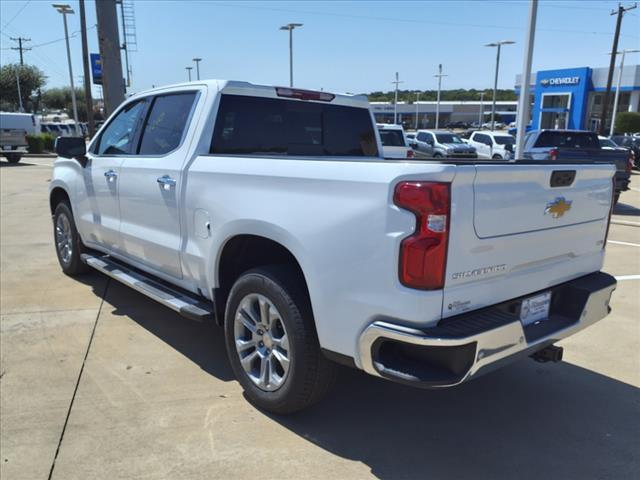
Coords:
409,96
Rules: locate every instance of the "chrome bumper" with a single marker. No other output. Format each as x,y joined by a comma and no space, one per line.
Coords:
445,355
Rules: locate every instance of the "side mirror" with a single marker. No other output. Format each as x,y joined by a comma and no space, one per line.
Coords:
413,144
430,142
72,147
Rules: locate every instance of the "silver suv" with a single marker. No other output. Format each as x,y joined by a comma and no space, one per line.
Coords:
442,144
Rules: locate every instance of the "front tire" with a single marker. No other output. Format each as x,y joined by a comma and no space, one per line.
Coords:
272,342
67,241
496,157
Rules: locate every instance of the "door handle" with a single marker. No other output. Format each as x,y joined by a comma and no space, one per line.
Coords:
166,181
111,175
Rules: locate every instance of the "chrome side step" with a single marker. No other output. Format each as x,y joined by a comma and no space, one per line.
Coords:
188,306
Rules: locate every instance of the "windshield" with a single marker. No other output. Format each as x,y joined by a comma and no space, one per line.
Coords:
505,140
448,138
392,138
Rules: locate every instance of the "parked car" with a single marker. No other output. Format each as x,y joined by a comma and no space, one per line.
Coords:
410,137
441,144
394,142
14,128
496,125
581,145
493,145
270,211
630,142
458,125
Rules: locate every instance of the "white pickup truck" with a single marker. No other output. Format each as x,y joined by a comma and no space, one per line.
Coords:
270,211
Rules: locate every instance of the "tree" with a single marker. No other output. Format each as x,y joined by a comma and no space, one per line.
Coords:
60,99
31,80
627,122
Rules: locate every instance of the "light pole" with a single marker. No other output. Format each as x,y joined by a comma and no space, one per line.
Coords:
617,96
417,100
188,69
395,103
65,10
290,27
495,81
524,102
439,77
481,112
197,60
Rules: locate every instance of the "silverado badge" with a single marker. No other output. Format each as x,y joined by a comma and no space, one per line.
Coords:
558,207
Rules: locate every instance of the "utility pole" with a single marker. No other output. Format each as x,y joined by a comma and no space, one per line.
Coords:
20,108
197,60
65,10
524,102
188,69
290,27
617,95
395,103
112,81
612,65
439,77
417,100
85,66
481,112
20,47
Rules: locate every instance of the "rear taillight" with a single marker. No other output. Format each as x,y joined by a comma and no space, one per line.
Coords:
553,154
630,162
423,255
409,153
613,196
304,94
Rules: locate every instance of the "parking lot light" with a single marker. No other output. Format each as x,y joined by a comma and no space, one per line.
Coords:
65,10
290,27
495,81
617,96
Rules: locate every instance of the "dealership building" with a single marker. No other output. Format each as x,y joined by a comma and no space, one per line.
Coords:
573,97
424,113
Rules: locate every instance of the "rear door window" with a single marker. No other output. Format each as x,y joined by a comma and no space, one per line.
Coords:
166,123
392,138
269,126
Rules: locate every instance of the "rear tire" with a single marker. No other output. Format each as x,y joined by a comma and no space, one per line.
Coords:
13,157
616,197
268,321
67,241
496,157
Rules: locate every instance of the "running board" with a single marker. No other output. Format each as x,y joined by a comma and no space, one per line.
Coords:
186,305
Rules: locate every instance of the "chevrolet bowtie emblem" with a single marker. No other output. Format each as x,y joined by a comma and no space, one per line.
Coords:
558,207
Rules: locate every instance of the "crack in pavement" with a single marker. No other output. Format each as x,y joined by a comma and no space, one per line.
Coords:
75,390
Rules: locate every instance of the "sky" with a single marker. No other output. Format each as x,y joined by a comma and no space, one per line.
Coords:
343,46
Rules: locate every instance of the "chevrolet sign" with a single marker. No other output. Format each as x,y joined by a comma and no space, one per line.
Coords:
550,82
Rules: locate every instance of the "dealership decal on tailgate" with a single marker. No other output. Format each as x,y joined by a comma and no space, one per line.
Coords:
535,308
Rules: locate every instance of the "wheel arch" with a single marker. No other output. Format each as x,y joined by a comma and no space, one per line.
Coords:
243,252
58,194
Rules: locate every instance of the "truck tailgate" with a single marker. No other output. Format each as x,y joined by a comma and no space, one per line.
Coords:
512,233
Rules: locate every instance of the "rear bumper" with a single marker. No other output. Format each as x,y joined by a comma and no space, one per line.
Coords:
462,347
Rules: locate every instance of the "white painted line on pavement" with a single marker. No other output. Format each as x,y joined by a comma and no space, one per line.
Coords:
634,189
628,277
625,222
624,243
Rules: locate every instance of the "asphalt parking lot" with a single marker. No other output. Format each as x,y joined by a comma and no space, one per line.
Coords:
97,381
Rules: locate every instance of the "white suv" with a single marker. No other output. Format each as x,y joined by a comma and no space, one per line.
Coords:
394,141
493,145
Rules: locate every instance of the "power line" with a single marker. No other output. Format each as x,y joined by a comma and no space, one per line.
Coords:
410,20
17,13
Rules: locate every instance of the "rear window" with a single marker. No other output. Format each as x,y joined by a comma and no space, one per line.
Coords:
561,139
269,126
505,140
392,138
447,138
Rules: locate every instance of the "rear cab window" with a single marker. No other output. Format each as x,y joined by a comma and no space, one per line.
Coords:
391,138
252,125
560,139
